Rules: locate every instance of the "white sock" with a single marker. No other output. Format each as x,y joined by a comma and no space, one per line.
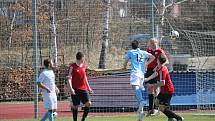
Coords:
141,115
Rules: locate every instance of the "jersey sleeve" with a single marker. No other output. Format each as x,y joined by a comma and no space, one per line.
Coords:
147,54
41,78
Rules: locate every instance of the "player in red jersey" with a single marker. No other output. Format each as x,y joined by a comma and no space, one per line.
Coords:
154,49
166,89
79,86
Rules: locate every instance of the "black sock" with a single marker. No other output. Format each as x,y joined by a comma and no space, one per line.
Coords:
151,101
171,114
86,111
75,114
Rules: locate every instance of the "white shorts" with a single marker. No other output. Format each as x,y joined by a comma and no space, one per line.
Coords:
50,101
136,80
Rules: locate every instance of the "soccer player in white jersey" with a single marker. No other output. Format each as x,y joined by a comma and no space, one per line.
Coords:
46,81
138,60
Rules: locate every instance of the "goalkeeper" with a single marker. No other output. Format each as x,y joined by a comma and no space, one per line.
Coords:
166,89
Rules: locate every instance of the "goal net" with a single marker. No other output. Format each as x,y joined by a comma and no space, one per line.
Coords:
203,63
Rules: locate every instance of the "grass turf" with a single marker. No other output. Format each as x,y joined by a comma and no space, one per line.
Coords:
188,117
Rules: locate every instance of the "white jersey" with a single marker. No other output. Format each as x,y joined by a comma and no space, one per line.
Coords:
47,78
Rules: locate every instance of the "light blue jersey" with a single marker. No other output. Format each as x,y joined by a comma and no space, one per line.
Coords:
138,60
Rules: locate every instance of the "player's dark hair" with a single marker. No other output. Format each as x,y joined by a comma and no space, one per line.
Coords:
79,55
47,62
134,44
161,59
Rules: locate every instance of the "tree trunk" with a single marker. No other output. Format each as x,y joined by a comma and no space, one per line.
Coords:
162,11
11,30
159,27
61,5
11,33
53,33
103,54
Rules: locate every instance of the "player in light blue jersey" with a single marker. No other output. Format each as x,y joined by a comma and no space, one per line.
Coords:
138,59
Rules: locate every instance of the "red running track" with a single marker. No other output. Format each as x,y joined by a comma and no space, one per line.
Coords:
24,110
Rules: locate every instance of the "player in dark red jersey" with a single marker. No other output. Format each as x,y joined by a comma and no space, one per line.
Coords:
154,49
79,86
166,89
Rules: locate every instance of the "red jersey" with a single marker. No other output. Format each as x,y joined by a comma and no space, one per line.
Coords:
155,53
78,75
163,74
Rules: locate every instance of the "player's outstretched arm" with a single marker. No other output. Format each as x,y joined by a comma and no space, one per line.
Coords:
151,58
159,84
127,58
125,63
154,75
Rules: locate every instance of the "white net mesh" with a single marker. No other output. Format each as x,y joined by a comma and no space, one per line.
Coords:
203,63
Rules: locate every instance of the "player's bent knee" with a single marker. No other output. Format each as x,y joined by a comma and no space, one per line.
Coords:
88,104
162,107
150,91
74,107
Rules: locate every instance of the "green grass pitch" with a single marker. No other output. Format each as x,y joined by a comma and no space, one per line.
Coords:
188,117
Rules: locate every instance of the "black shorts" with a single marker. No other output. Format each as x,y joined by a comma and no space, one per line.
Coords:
149,72
164,99
80,96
